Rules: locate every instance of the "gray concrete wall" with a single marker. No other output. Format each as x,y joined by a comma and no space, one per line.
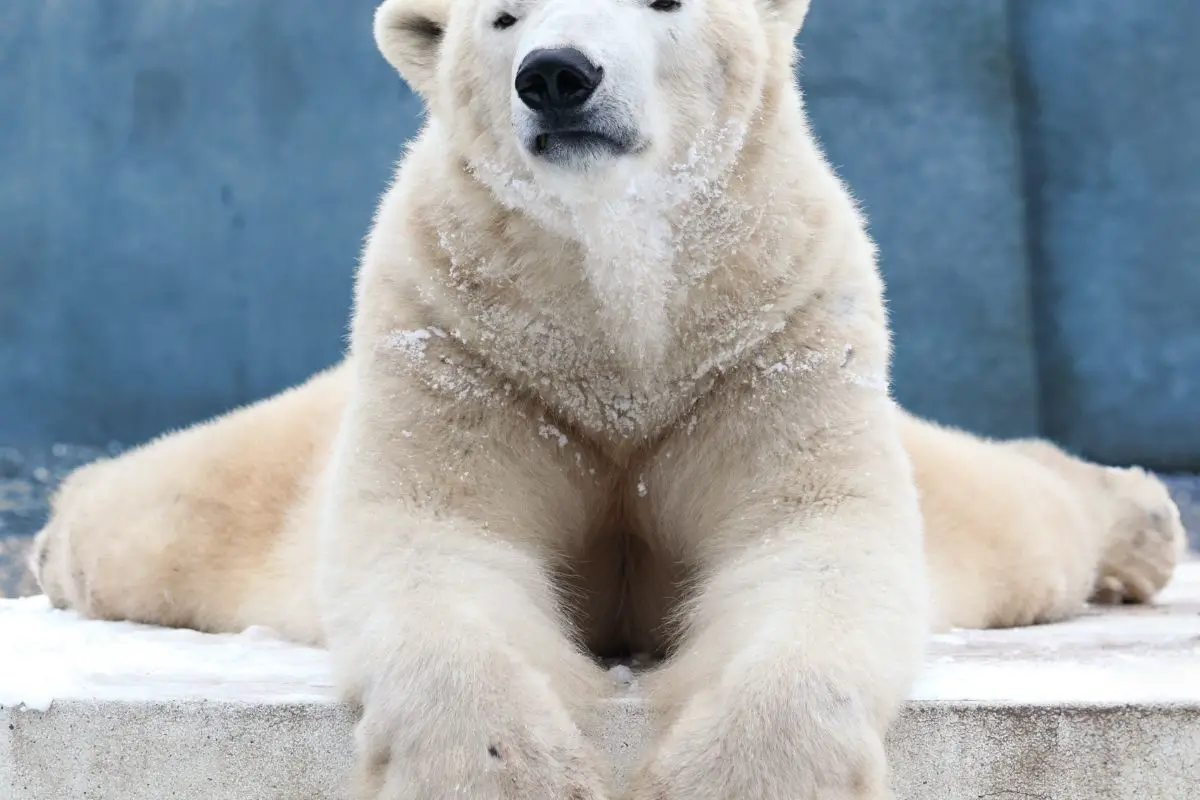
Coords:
184,185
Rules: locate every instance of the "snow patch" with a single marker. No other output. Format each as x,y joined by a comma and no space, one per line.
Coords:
54,655
1132,655
548,431
1127,654
411,343
622,675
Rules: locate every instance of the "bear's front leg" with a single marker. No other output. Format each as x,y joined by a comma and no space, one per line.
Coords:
809,615
439,608
467,685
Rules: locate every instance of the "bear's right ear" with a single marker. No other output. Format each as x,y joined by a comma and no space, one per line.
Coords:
409,35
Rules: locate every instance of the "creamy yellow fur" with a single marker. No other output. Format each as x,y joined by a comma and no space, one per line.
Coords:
637,406
1020,532
215,527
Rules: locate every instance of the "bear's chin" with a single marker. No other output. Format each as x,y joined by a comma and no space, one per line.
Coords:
579,150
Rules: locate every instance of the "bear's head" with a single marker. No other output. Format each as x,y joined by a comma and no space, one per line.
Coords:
553,90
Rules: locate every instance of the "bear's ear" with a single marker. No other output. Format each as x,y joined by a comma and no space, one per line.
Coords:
791,12
409,35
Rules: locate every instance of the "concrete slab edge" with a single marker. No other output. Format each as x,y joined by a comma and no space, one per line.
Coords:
214,750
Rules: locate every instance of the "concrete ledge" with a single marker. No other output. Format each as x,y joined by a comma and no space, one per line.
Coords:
1106,706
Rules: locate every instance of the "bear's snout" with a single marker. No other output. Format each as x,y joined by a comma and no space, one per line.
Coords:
556,80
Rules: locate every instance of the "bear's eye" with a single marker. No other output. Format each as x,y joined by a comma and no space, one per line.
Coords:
666,5
504,21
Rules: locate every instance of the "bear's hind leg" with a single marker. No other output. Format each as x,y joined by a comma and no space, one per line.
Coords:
1143,538
211,527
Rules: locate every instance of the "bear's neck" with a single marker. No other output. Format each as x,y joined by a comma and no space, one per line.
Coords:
631,298
655,250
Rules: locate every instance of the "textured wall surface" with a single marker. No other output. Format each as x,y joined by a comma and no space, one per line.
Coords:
915,105
184,185
1110,94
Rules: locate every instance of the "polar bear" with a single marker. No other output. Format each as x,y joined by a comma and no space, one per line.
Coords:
618,380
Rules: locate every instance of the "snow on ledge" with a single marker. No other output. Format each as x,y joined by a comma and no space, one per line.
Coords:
58,655
1131,655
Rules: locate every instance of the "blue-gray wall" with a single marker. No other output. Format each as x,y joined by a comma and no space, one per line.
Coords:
1110,110
184,185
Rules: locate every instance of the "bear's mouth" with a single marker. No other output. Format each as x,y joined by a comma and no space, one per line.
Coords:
573,143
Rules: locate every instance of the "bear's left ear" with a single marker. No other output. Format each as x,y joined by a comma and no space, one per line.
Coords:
409,35
792,12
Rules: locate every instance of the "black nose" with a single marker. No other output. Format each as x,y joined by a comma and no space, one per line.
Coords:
557,80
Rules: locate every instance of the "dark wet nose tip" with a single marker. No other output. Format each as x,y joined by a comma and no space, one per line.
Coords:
561,79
